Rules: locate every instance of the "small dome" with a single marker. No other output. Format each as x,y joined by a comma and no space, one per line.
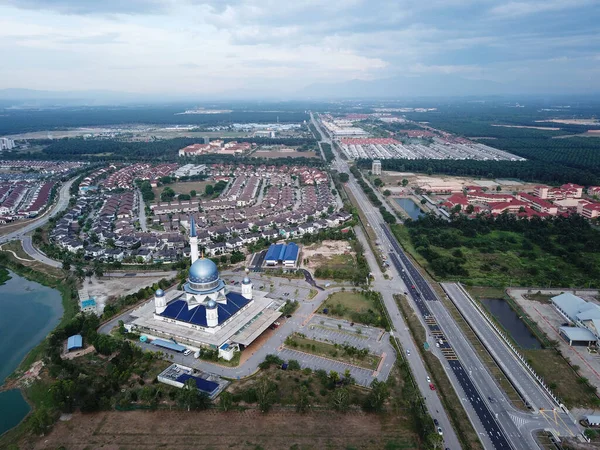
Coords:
160,293
246,280
211,304
203,271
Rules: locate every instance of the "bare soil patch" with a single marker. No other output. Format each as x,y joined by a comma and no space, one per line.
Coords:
249,429
327,252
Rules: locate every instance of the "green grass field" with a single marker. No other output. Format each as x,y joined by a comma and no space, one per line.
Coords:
351,301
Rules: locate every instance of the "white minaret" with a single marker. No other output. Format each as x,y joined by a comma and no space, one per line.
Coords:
247,288
212,314
193,240
160,302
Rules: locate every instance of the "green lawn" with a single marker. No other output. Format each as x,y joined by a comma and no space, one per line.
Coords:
350,302
298,342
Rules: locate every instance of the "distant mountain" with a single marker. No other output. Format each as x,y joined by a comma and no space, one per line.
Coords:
32,97
400,86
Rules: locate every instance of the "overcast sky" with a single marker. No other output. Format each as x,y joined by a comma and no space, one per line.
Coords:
202,47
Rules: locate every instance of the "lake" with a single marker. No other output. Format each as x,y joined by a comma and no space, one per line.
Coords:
411,208
29,312
511,323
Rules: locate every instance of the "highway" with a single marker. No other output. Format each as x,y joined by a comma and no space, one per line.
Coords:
470,378
388,288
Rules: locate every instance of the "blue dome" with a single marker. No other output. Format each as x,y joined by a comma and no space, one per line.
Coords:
246,280
160,293
211,304
203,271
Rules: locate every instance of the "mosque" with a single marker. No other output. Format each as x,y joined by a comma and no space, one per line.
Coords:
206,312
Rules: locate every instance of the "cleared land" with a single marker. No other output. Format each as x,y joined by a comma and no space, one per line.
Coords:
278,154
183,187
332,254
243,430
297,342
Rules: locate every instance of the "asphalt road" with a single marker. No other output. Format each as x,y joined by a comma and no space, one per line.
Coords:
387,288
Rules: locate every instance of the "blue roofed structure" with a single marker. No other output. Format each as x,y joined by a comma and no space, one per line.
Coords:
203,385
74,342
168,344
285,254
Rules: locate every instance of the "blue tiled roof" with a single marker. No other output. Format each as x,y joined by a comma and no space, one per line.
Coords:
178,310
204,385
273,252
291,252
74,342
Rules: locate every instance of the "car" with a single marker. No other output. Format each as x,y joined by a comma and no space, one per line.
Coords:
435,421
428,380
491,399
408,352
440,432
413,286
431,386
286,294
232,281
187,352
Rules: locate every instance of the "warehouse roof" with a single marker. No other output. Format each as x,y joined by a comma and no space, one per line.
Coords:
74,342
578,334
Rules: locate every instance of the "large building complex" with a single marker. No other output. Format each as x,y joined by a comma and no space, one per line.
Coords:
583,316
205,313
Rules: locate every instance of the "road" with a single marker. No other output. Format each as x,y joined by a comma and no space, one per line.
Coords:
142,211
61,204
36,254
388,288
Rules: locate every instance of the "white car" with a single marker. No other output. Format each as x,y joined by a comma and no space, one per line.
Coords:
187,352
428,380
440,432
408,352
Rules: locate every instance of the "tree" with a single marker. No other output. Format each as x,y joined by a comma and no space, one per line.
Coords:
193,193
340,400
470,209
266,393
377,182
377,397
225,401
190,397
209,189
41,421
302,400
404,182
387,193
167,194
344,177
66,265
423,201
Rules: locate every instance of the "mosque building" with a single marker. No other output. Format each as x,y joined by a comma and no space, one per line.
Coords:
206,312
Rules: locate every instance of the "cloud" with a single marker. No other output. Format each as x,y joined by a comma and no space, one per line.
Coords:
518,9
214,46
89,7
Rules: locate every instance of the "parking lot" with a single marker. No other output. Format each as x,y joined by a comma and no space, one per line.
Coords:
364,377
278,287
338,331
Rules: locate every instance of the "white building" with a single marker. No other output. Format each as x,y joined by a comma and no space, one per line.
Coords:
376,167
205,313
585,316
6,144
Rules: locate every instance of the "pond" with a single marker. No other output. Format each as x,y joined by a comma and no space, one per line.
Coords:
29,312
411,208
511,322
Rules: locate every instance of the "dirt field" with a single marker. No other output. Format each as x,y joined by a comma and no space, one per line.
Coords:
104,288
183,188
251,430
327,252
